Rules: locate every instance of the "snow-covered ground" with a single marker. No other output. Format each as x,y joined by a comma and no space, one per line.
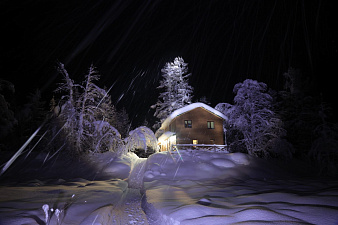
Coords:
197,187
186,187
93,191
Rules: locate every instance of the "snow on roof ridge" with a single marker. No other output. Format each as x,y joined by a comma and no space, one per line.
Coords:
188,108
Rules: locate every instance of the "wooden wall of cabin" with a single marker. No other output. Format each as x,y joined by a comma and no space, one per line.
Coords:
199,130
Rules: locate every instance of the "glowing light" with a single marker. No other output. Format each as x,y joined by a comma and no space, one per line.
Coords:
172,139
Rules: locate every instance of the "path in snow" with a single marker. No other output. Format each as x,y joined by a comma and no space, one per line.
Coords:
135,179
127,211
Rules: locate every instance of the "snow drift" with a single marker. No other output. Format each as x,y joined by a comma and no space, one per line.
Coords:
198,187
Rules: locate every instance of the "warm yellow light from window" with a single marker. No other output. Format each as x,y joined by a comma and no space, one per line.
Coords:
172,139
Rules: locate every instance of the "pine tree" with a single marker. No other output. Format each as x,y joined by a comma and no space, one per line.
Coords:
177,92
109,112
324,146
122,122
7,118
298,109
33,113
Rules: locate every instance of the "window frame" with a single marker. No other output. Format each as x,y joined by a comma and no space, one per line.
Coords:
211,124
187,124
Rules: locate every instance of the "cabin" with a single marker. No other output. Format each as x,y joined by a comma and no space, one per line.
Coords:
194,125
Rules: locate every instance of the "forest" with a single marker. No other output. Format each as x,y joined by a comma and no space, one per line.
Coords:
81,119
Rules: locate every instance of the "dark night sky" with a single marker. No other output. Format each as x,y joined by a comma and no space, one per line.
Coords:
223,41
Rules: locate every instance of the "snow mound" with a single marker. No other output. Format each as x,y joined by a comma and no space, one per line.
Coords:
193,165
149,175
206,167
223,163
239,158
119,167
117,170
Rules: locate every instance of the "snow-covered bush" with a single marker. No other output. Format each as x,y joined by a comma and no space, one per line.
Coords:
177,92
60,211
45,209
141,138
106,138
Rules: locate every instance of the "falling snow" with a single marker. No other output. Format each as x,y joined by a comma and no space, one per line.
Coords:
225,42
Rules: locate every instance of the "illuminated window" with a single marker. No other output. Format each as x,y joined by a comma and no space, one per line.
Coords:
187,123
211,125
194,142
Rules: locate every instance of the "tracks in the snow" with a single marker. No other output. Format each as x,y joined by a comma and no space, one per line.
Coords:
135,179
128,209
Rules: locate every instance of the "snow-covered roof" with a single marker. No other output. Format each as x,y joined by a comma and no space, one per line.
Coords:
188,108
165,136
